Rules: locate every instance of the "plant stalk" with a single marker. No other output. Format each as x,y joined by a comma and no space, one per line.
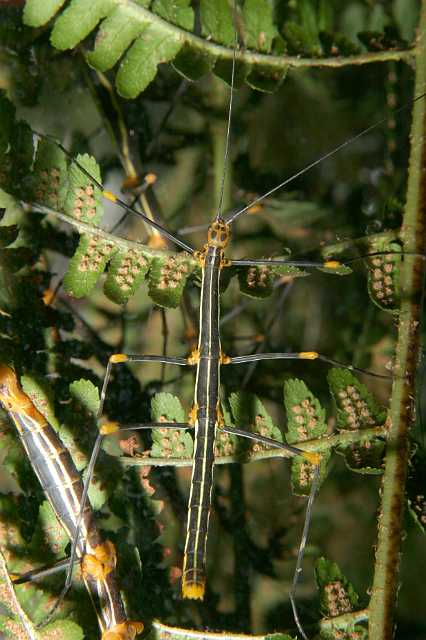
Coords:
402,410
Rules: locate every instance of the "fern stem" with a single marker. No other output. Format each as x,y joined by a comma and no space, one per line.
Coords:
413,234
91,230
266,61
318,445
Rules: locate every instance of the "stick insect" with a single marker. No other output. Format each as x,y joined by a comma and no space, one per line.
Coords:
194,356
63,487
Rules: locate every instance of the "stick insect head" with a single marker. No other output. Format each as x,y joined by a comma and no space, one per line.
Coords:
219,234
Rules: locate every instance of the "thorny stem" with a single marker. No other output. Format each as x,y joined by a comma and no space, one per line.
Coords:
402,411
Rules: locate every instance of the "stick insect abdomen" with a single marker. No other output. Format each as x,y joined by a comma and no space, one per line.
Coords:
206,414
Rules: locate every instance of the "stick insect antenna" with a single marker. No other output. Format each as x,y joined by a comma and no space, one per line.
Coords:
234,215
228,127
302,547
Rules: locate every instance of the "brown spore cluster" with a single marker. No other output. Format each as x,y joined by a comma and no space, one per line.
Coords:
84,204
304,416
131,266
171,442
172,272
306,473
258,277
48,187
382,271
358,414
337,600
224,445
96,253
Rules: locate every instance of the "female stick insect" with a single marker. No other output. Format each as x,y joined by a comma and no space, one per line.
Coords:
225,367
63,487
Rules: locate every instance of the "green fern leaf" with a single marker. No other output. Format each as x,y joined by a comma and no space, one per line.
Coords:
139,67
259,26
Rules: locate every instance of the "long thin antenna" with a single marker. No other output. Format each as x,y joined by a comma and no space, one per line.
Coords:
233,216
228,129
302,547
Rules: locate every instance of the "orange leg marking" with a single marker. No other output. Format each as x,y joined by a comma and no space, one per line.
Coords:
99,564
194,357
124,631
192,416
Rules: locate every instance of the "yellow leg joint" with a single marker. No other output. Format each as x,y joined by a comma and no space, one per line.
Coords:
117,358
151,178
110,196
124,631
108,427
157,241
193,414
193,590
194,357
332,264
48,296
224,359
201,256
308,355
313,458
219,413
101,562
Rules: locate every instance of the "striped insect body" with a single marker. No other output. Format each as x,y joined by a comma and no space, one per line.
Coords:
63,487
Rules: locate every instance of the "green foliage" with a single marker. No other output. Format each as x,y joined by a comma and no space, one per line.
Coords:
168,277
86,394
338,598
57,183
127,271
356,406
357,409
141,40
258,282
169,443
305,421
337,594
384,275
178,12
14,619
60,184
41,395
260,29
305,416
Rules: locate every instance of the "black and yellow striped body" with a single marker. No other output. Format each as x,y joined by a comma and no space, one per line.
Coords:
205,413
63,487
